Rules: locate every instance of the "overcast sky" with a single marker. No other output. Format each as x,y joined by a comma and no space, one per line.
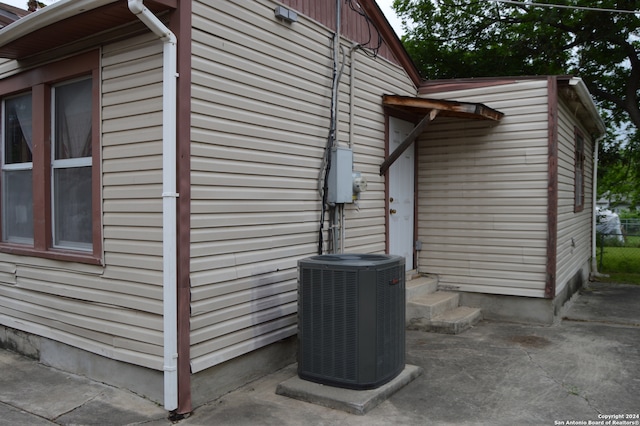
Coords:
22,4
385,5
395,22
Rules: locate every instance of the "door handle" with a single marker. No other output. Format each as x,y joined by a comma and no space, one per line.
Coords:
392,211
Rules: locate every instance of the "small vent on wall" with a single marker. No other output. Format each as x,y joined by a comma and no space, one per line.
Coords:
285,14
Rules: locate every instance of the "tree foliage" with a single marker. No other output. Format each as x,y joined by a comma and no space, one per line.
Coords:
619,171
33,5
482,38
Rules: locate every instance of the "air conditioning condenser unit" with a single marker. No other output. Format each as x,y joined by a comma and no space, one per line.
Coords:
351,319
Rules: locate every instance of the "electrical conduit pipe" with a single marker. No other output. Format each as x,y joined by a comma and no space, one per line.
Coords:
169,195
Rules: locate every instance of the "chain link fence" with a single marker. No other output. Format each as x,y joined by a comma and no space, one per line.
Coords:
630,226
619,253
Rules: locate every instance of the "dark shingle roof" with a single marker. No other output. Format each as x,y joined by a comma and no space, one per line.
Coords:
9,13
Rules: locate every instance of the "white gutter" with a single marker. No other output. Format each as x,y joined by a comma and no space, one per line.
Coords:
587,101
169,195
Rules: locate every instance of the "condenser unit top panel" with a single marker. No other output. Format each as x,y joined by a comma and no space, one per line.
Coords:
352,260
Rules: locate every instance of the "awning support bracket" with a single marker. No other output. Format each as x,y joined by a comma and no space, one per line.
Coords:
406,143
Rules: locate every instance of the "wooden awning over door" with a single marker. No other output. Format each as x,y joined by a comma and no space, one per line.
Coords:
429,109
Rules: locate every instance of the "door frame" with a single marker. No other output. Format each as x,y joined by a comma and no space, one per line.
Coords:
387,134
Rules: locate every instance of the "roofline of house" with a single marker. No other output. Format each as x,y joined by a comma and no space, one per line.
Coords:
439,85
575,83
49,15
389,35
10,14
587,101
63,9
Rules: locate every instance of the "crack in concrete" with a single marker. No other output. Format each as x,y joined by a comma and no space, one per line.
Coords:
29,412
77,406
603,322
573,390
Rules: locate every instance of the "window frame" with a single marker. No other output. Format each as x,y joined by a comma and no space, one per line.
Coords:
41,81
579,171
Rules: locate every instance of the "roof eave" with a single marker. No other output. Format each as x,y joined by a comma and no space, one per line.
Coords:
68,22
586,99
49,15
446,108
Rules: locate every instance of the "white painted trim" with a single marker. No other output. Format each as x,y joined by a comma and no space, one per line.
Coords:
587,101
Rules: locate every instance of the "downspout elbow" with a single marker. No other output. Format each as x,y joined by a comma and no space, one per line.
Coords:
138,8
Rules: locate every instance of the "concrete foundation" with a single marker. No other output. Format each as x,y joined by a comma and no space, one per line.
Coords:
216,381
142,381
525,310
206,385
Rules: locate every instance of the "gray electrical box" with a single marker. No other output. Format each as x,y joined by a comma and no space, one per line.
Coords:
340,177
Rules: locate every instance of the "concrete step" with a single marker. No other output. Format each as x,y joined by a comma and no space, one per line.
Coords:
430,305
412,274
454,321
421,285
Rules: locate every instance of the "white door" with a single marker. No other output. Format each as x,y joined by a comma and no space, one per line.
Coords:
401,193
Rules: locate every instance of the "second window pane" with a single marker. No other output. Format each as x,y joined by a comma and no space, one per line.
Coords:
72,208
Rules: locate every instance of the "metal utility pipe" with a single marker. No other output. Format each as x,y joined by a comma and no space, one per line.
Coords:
336,78
169,196
352,88
335,219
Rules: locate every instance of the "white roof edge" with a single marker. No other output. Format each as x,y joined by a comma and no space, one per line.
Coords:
585,97
46,16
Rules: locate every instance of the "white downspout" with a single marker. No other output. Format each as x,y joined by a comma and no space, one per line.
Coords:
169,195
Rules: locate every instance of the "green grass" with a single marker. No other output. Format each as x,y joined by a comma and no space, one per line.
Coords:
621,278
622,264
633,241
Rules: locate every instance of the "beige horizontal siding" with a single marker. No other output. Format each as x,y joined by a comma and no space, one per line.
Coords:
482,193
260,118
7,273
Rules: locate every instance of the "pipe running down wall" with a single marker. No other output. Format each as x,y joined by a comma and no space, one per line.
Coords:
169,195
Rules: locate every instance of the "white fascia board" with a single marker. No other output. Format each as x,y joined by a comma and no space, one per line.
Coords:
587,100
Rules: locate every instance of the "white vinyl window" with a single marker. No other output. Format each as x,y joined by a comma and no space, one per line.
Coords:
17,167
71,158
